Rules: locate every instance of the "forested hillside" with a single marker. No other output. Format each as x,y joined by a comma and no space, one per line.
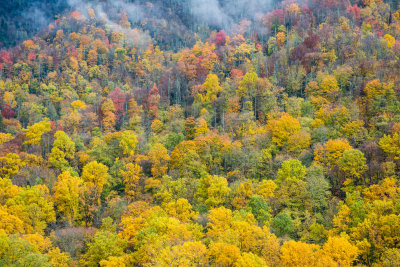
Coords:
228,133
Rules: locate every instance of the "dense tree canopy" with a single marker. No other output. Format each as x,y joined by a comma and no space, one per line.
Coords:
269,139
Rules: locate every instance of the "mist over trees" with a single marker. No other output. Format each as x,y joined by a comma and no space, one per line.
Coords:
200,133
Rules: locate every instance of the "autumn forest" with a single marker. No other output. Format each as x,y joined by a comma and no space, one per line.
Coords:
200,133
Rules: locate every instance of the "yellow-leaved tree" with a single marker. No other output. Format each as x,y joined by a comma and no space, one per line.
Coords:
180,209
66,196
109,118
391,145
33,133
32,205
131,176
95,176
62,151
212,190
282,128
128,142
10,164
331,151
160,159
5,137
